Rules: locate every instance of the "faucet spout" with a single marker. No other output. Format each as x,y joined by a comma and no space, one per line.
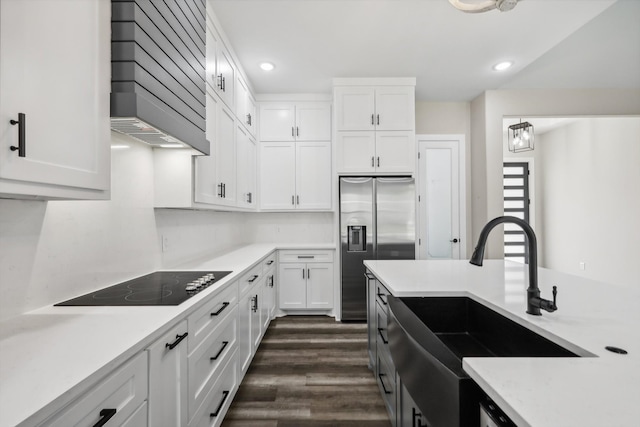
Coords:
534,302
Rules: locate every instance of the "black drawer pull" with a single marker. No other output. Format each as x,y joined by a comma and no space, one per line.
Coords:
225,394
255,276
382,382
224,345
306,256
384,340
270,262
105,415
224,305
177,341
380,295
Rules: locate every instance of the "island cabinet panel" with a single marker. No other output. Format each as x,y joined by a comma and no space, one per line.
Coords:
120,398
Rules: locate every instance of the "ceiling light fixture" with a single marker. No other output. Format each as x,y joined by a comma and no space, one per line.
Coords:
520,137
502,66
484,6
267,66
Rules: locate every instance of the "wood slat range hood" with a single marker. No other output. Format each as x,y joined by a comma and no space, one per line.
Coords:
158,61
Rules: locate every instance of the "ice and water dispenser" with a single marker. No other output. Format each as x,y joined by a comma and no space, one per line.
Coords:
356,238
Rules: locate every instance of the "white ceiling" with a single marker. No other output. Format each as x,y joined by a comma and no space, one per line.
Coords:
450,52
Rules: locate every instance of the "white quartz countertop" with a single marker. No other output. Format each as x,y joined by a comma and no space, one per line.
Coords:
51,355
600,389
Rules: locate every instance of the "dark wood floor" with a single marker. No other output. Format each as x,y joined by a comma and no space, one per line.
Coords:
309,371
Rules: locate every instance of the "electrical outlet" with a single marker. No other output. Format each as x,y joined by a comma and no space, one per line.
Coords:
582,266
165,243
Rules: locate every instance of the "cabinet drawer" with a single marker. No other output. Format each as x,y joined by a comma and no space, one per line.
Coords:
381,296
269,263
386,377
250,278
218,400
206,362
117,396
203,321
306,256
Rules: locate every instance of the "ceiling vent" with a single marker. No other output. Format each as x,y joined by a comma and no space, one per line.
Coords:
158,60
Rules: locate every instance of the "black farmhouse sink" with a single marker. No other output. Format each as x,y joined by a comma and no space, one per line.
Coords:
428,337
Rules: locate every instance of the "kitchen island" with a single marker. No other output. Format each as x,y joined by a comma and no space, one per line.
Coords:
599,389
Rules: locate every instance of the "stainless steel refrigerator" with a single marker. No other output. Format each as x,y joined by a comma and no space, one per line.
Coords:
377,222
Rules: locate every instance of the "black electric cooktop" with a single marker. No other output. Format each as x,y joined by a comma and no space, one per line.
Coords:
159,288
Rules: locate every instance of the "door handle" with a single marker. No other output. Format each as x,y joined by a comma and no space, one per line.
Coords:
454,240
372,117
373,161
378,116
174,344
378,161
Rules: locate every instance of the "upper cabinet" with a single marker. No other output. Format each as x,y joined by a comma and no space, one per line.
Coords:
245,106
375,125
302,121
54,108
375,108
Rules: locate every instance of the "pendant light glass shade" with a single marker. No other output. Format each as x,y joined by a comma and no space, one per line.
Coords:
520,137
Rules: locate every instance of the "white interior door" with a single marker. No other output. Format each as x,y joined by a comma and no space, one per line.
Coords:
441,197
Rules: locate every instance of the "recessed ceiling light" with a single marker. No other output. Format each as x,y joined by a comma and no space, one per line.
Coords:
267,66
502,65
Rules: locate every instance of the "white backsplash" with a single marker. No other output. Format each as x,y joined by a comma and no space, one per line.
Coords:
52,251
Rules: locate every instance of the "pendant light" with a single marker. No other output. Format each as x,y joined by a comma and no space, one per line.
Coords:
520,137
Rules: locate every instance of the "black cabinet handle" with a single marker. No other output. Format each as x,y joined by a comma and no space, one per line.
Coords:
253,279
224,84
224,305
303,273
380,295
224,190
22,138
306,256
254,300
249,119
384,340
293,200
373,161
297,131
220,83
382,382
378,115
417,418
372,120
177,341
225,394
224,345
249,197
270,262
308,273
293,131
378,161
271,281
105,415
297,200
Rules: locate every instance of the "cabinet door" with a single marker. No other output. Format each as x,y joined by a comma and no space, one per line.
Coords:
268,299
251,115
409,415
241,94
54,68
277,122
277,175
320,285
225,152
168,378
395,108
395,152
246,169
292,289
355,108
226,75
256,308
245,305
313,175
313,121
355,152
205,178
212,54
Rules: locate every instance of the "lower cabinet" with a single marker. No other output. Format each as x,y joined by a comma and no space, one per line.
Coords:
408,413
305,280
168,378
249,325
119,399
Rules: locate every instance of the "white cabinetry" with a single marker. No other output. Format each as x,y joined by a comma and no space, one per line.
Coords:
375,152
249,326
375,123
295,175
55,81
168,378
245,106
303,121
305,280
246,169
375,108
268,304
119,399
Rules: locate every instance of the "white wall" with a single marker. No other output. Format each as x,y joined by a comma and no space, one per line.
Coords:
52,251
591,198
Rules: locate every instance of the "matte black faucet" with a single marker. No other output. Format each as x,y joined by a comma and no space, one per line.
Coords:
534,302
